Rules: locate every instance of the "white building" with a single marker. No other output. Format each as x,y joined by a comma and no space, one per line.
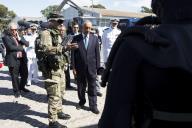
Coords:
70,12
101,17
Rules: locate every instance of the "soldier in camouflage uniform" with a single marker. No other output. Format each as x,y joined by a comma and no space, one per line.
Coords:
54,74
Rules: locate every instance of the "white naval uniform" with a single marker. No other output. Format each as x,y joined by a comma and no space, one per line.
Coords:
31,56
108,38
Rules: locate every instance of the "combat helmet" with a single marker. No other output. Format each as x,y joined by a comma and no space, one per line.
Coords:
55,16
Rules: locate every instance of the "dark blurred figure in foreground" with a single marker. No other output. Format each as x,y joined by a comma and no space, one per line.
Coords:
149,72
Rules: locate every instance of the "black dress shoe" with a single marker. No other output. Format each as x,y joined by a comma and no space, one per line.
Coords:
94,110
56,125
99,94
79,107
63,116
25,90
17,94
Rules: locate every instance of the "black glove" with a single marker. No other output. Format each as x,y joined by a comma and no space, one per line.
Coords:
100,70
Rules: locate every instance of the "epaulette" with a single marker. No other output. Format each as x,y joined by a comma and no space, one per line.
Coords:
105,29
150,37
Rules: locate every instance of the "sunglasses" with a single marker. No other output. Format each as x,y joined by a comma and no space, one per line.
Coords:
13,29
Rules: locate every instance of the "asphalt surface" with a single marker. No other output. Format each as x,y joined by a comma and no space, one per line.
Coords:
31,109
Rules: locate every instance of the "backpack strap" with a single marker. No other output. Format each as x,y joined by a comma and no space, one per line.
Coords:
54,35
150,36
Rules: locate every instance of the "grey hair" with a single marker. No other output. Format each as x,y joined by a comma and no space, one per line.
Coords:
12,24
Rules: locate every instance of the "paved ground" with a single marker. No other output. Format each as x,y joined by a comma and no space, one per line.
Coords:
31,111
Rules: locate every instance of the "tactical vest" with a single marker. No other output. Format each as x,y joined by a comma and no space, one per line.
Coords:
57,60
47,61
55,37
40,54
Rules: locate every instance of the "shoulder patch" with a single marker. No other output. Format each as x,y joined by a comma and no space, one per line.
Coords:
150,37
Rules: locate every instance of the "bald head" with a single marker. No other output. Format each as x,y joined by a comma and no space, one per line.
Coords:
87,26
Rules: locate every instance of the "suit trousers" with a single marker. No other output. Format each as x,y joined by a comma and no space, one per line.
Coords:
32,70
67,76
19,69
83,80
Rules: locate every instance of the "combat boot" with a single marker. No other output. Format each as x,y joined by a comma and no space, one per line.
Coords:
56,125
63,116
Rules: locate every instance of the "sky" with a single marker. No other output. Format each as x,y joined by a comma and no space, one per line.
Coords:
32,8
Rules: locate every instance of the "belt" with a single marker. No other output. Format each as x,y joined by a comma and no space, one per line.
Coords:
175,117
31,48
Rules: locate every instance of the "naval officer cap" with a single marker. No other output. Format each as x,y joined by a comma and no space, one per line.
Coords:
115,21
33,26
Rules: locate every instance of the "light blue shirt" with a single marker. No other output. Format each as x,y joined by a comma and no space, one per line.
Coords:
86,40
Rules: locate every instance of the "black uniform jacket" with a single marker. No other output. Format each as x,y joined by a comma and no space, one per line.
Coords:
146,77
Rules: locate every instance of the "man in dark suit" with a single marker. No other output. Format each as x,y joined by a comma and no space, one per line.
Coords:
86,61
16,59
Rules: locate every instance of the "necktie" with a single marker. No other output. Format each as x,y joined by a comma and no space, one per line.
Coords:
15,39
86,41
19,54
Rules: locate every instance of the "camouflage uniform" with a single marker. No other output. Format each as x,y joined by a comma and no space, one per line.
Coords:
51,40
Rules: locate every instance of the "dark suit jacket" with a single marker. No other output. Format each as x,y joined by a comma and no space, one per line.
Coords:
12,49
90,58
